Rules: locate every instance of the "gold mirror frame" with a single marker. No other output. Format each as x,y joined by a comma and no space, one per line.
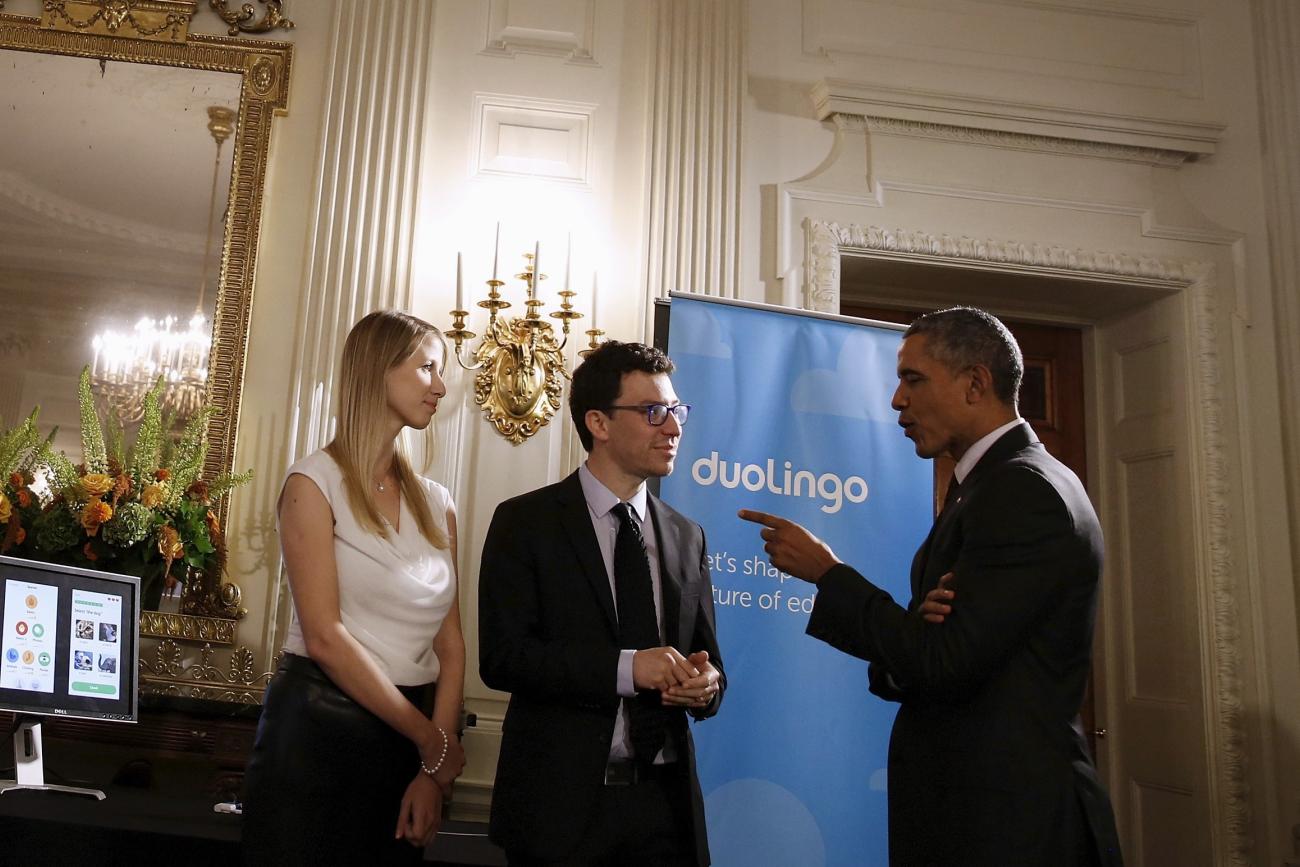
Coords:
99,30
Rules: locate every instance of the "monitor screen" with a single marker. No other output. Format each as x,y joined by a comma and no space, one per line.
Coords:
70,645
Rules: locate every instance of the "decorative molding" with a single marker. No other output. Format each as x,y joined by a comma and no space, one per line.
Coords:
75,215
170,672
824,242
1023,141
695,148
160,20
241,20
187,627
536,138
1058,47
1228,757
575,43
1027,124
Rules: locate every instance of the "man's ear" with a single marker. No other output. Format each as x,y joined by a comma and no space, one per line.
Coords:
598,423
981,384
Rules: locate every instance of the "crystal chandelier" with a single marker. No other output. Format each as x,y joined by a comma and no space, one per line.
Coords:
128,363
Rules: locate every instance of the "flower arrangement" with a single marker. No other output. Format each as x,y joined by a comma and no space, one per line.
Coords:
142,511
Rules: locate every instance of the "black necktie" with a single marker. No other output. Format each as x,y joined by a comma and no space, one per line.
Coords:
954,492
638,628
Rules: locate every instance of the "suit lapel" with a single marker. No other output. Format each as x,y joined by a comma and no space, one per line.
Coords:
940,539
576,518
668,538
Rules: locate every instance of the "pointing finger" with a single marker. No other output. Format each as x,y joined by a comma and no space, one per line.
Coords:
762,518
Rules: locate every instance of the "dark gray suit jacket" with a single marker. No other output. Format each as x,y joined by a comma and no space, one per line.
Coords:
548,635
987,760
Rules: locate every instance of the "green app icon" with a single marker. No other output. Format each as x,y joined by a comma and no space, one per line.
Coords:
38,630
44,659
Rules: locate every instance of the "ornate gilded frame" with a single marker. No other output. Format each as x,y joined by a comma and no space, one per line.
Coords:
156,32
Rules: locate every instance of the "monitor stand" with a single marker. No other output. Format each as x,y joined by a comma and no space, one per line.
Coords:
29,763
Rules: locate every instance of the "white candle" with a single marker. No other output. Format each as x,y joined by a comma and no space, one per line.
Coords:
537,269
568,262
593,301
460,286
496,250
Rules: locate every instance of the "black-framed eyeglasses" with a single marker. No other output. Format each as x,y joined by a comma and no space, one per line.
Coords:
657,413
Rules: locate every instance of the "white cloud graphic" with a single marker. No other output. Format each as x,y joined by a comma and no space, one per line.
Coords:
699,334
844,391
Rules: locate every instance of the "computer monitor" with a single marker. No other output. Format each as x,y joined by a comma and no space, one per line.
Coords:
69,647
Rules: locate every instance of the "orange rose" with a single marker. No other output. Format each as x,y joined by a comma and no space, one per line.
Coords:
5,508
170,545
95,513
96,484
162,474
198,490
153,495
89,552
24,498
16,479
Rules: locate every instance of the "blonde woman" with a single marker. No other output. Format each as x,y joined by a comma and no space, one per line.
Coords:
347,768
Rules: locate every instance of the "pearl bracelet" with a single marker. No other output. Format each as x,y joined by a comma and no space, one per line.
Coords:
438,764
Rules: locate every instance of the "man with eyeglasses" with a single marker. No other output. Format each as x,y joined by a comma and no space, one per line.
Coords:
596,614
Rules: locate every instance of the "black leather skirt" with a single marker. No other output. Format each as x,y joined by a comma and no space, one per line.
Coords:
326,777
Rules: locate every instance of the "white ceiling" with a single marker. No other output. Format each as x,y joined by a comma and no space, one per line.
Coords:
121,140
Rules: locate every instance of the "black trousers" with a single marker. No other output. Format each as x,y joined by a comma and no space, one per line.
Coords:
326,777
646,824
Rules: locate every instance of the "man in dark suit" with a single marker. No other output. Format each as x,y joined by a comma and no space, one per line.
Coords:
596,614
987,760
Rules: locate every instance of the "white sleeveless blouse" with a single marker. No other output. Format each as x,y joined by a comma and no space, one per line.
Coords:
394,593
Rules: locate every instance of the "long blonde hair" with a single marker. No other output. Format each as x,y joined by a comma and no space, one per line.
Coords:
379,342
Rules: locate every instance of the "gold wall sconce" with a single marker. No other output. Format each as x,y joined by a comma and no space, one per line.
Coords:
520,360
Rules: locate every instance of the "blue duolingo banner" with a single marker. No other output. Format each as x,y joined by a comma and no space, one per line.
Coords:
790,415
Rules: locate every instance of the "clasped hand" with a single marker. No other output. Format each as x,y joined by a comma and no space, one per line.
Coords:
682,681
420,815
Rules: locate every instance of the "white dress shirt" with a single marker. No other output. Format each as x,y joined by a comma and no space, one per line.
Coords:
981,447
